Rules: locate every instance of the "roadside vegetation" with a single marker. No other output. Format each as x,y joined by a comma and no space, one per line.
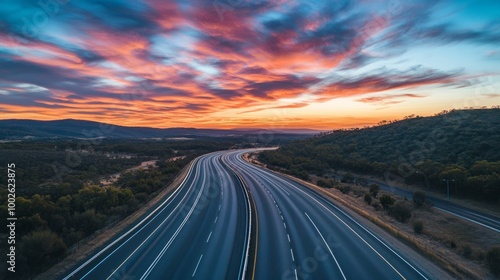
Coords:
464,249
459,146
61,200
454,148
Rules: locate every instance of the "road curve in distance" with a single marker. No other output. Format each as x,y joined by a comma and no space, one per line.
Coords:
301,235
201,231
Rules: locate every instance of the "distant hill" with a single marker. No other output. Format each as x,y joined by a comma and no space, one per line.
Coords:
460,144
69,128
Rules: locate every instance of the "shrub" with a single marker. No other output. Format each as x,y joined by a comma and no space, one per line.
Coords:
345,189
40,249
386,200
321,183
401,212
493,259
374,188
467,251
419,198
368,198
347,178
418,227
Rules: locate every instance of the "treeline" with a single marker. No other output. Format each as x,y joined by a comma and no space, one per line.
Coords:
459,146
56,210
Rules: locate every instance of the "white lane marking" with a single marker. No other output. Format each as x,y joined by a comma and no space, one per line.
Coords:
277,186
268,173
283,190
196,268
470,220
282,217
359,236
296,277
162,252
291,253
284,225
288,237
144,241
209,237
219,206
328,247
167,201
216,219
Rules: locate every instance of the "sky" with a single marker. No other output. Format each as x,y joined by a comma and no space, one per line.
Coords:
246,64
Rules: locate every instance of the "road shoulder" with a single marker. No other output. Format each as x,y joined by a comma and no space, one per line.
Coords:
94,245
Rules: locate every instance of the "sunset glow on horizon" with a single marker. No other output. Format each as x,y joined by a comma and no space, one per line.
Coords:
246,64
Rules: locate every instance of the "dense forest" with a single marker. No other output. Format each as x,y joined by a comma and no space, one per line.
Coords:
60,199
460,146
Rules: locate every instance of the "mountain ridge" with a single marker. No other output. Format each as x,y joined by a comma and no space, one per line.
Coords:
73,128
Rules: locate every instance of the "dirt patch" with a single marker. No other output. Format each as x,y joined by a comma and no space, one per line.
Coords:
91,247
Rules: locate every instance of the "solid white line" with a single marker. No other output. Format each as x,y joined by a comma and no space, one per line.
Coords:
359,236
162,252
470,220
328,247
249,219
121,237
196,268
347,216
167,201
209,237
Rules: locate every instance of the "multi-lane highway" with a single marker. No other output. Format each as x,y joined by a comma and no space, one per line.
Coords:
202,231
301,235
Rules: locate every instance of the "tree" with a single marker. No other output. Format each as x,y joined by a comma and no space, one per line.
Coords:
419,198
374,188
88,221
493,258
347,178
401,211
321,183
456,173
368,198
41,249
386,200
418,227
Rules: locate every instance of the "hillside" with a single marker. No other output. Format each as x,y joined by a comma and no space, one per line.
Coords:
460,145
69,128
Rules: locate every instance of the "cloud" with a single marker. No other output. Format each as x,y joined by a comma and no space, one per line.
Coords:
162,60
389,99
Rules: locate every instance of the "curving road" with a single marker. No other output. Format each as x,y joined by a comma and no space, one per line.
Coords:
200,232
301,235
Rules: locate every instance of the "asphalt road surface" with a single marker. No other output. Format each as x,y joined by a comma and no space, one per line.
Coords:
301,235
202,231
